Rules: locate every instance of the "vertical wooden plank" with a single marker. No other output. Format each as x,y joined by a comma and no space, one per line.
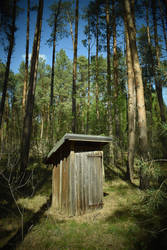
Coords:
81,185
60,185
78,182
100,179
67,184
63,184
75,168
72,183
87,178
53,188
93,180
97,167
55,194
90,181
102,176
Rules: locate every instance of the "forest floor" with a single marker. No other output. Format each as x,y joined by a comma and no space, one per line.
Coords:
122,224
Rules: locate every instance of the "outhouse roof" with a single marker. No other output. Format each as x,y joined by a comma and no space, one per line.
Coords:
80,138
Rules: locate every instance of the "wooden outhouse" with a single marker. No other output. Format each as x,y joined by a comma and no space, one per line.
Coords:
77,178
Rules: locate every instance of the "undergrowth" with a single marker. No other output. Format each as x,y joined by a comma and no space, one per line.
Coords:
131,219
119,225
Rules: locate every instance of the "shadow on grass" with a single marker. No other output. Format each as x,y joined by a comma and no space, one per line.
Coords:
16,239
112,175
141,230
9,213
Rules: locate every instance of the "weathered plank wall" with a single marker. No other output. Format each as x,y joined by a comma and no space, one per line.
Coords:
86,182
77,183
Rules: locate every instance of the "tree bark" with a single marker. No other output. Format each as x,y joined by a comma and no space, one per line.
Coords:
142,124
26,59
52,73
109,95
7,71
115,72
131,108
149,84
27,126
74,121
97,62
157,80
88,105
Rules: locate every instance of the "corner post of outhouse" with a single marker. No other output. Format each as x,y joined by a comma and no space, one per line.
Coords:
53,188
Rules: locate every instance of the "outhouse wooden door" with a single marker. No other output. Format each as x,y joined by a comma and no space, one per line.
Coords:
88,180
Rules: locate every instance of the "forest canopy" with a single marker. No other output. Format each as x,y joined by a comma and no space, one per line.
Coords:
117,88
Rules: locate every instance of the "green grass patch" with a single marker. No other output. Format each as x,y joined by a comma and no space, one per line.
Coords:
124,223
113,227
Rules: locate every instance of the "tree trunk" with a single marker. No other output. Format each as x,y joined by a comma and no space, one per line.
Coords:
131,108
26,59
115,72
27,126
97,63
109,96
143,139
74,121
163,24
157,80
149,87
52,74
88,105
7,71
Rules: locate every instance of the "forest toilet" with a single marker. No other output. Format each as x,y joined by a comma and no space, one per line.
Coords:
77,178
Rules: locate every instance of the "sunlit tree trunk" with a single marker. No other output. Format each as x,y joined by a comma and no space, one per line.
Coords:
42,125
157,51
149,84
26,59
52,73
115,72
27,126
74,113
142,124
88,105
131,108
10,50
97,62
109,95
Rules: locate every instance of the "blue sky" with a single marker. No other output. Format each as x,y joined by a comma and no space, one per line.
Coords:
45,50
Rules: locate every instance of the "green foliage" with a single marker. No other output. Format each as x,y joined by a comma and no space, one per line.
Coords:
155,199
62,93
164,128
62,20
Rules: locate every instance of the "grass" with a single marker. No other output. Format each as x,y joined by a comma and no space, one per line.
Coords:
10,218
113,227
122,224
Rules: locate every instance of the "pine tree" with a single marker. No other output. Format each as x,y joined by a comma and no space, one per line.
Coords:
10,50
142,124
27,126
74,112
